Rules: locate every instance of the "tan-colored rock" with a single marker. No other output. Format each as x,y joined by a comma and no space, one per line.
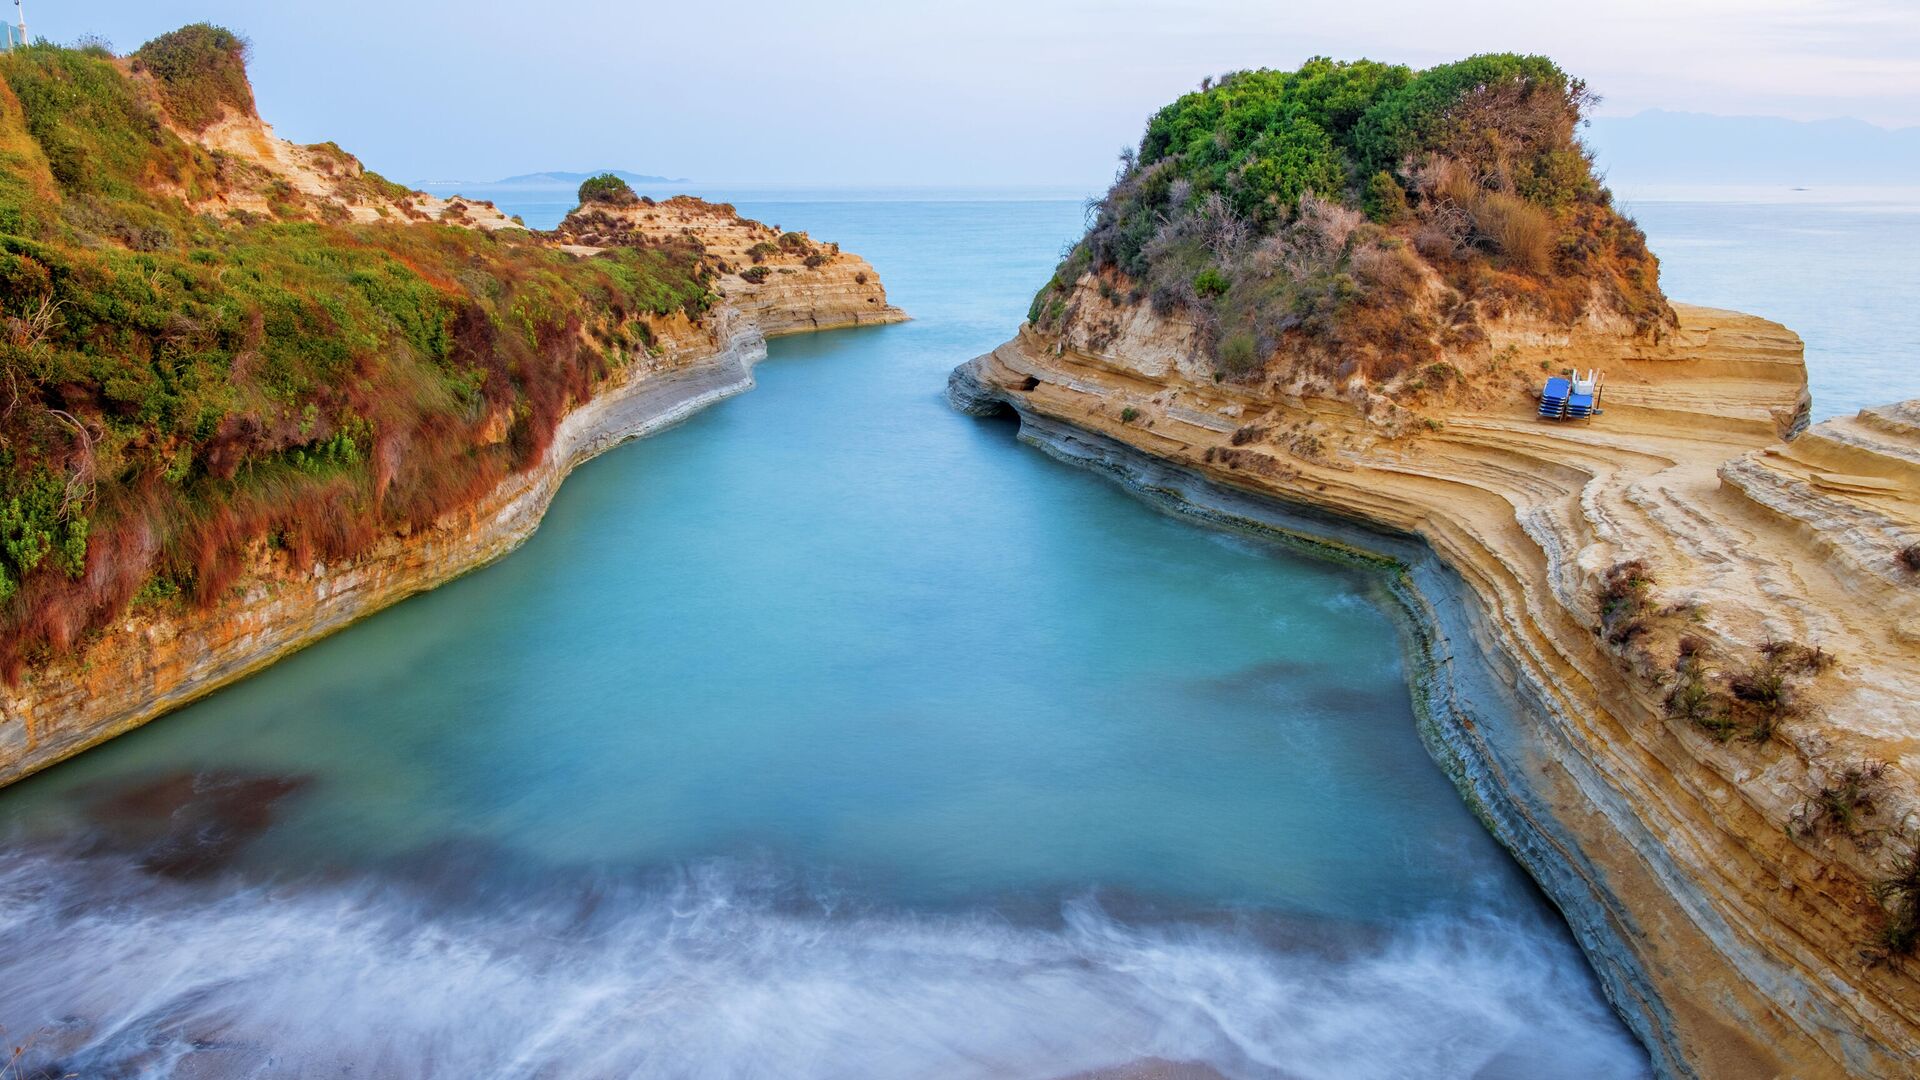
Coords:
326,178
1729,936
804,285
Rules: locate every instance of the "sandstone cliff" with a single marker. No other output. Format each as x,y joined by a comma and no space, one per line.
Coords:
1726,904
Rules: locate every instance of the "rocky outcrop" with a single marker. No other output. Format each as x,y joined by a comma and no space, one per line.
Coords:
1726,919
786,282
271,177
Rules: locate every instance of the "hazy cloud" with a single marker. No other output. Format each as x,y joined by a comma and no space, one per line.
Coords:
988,92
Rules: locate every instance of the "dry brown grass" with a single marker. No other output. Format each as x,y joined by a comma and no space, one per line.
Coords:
1522,233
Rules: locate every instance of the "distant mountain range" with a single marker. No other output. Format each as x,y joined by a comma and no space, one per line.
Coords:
555,180
1659,147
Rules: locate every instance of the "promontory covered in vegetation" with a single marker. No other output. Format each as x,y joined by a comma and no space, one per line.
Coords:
1669,654
254,391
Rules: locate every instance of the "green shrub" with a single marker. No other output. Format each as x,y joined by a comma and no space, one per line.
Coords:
755,274
200,69
1211,283
1239,354
1385,201
606,188
1129,414
1424,113
1268,137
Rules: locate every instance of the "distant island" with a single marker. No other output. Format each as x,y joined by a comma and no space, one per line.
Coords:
556,179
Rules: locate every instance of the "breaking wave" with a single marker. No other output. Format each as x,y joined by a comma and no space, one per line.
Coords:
728,969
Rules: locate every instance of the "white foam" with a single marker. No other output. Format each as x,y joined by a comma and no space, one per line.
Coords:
708,977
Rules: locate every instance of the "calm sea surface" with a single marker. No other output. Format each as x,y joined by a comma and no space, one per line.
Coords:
833,734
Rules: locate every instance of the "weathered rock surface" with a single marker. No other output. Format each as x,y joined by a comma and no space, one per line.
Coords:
804,285
1729,938
329,180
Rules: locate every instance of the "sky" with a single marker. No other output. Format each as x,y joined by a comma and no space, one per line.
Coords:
975,93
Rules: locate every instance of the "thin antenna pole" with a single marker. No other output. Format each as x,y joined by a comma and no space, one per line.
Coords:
20,9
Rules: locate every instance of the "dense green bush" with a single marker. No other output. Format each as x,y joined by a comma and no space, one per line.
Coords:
1385,201
200,68
607,188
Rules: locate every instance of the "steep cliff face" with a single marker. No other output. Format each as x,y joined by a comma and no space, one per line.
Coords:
1697,848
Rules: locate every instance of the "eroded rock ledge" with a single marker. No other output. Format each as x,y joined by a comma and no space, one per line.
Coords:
1729,938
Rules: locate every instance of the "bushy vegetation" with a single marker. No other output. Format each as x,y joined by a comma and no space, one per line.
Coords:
607,188
1625,601
201,70
1364,218
1749,700
1843,805
182,392
1898,894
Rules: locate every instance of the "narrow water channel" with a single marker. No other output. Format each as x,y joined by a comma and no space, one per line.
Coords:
829,734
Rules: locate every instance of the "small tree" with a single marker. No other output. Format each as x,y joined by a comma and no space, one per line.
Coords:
1385,200
607,188
200,69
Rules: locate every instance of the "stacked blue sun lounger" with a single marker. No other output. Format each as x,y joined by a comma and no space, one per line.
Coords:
1553,400
1573,398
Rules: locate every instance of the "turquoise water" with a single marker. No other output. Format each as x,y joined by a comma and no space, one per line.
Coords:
829,734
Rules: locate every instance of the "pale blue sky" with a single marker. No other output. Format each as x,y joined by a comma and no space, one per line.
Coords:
985,92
